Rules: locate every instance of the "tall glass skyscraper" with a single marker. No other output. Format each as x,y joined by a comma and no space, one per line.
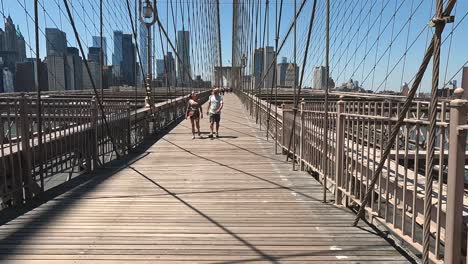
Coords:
183,49
97,43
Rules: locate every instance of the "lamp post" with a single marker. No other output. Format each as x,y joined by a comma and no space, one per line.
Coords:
148,17
243,65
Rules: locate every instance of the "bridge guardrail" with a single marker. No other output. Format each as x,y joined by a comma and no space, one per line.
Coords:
357,133
75,139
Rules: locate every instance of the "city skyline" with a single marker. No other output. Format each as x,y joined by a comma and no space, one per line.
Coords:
338,70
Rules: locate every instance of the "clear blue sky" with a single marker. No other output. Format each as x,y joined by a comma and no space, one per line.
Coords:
349,56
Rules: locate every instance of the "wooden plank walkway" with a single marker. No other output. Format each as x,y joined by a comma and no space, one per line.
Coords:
226,200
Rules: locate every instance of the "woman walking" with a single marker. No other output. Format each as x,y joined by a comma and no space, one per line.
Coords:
194,111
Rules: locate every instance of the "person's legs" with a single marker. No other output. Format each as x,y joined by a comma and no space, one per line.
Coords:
218,118
193,127
197,123
211,124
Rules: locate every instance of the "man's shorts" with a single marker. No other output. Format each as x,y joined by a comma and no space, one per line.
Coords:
215,118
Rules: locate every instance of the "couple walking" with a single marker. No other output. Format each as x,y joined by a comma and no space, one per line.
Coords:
195,112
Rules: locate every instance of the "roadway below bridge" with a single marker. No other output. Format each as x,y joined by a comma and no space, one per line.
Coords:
224,200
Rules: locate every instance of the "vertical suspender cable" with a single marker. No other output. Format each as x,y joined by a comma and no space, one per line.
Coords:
219,38
38,89
325,121
101,53
278,25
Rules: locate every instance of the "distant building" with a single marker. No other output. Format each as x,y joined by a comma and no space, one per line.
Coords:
160,68
292,76
2,42
20,46
74,69
27,71
9,59
183,49
448,90
56,49
281,72
94,54
8,85
320,78
268,57
405,89
117,56
56,72
128,65
10,35
56,42
257,69
95,75
171,69
97,43
142,48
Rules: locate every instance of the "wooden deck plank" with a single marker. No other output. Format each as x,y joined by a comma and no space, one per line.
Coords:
225,200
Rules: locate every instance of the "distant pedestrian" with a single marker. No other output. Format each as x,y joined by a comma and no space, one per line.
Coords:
194,112
215,104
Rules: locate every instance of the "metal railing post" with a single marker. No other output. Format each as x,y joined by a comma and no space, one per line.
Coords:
95,139
129,127
282,128
26,163
339,150
455,181
301,136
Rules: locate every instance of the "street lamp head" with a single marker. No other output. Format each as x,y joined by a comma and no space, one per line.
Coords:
148,10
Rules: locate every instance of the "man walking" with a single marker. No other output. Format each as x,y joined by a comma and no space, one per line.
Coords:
215,104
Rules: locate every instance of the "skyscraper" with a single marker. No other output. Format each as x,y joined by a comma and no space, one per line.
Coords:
95,75
117,55
94,54
56,48
291,76
56,72
319,78
257,67
128,66
27,71
183,49
268,57
160,68
142,48
2,41
10,35
74,69
170,70
56,42
8,86
281,72
21,46
97,43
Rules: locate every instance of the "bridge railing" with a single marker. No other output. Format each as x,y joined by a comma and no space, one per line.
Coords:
357,134
75,139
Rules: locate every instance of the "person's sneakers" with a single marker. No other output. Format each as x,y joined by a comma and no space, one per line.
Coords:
210,135
217,135
193,136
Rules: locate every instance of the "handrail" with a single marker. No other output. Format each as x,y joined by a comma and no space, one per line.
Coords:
357,131
74,139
